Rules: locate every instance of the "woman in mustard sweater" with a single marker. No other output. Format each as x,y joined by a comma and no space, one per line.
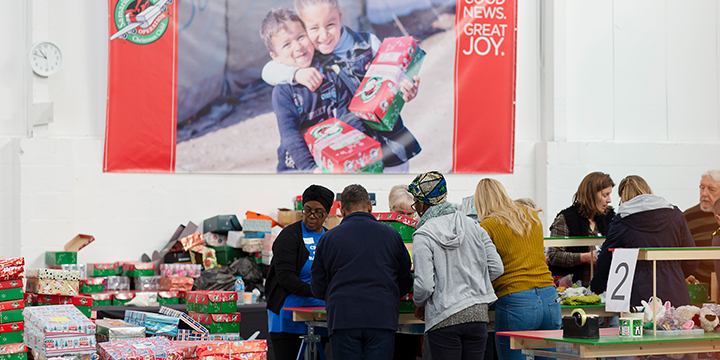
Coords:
527,299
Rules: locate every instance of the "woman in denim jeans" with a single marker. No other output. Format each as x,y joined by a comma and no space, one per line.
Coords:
527,298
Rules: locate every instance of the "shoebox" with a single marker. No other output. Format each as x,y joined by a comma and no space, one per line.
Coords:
403,224
340,148
267,257
11,333
146,283
222,224
156,347
187,323
155,324
226,254
69,256
246,350
287,217
252,245
11,311
35,355
168,297
114,329
53,274
235,238
177,257
188,242
59,330
12,268
103,299
204,256
218,323
214,239
71,267
92,285
30,299
52,287
122,298
101,269
212,302
224,337
379,100
135,269
176,283
256,225
11,290
181,270
82,303
117,283
17,351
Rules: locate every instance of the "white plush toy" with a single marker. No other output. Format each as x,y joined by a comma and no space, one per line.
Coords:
708,320
653,309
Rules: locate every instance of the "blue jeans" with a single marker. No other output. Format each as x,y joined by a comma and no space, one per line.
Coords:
534,309
368,344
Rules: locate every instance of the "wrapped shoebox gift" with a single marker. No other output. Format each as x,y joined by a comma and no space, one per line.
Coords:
403,224
102,299
122,298
226,255
177,257
204,256
71,267
218,323
11,311
82,303
235,238
11,290
59,330
117,283
224,337
146,283
92,285
180,270
297,202
188,242
222,224
340,148
101,269
256,225
379,100
190,335
187,326
60,257
17,356
53,274
252,245
155,324
38,356
214,239
52,287
12,268
17,351
212,302
114,329
136,269
11,333
246,350
168,297
30,299
156,347
267,257
254,235
176,283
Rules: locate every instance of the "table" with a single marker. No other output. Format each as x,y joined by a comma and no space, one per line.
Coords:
610,344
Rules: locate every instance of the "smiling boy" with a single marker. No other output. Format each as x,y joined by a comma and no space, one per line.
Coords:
296,107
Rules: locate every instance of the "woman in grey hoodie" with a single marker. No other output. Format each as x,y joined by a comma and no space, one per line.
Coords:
455,262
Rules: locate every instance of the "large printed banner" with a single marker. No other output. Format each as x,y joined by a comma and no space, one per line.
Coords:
194,88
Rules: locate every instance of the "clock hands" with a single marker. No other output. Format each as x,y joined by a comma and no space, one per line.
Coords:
43,54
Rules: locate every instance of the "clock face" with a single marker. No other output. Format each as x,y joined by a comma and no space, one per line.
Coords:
45,58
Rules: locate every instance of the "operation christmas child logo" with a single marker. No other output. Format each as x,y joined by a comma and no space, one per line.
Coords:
141,22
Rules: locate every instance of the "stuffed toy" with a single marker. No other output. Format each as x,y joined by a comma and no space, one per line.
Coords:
653,310
708,320
687,314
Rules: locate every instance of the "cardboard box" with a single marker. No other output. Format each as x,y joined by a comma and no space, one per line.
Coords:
341,149
212,302
332,221
218,323
379,100
117,283
176,283
227,254
257,225
52,287
287,216
235,238
146,283
222,224
214,239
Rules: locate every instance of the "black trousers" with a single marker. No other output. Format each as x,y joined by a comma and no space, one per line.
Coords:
463,341
285,346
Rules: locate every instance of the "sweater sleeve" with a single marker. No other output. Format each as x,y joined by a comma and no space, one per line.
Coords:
405,279
285,257
557,256
613,240
274,73
319,276
424,274
494,262
686,240
288,121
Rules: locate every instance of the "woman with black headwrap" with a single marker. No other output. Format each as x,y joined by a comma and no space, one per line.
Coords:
288,280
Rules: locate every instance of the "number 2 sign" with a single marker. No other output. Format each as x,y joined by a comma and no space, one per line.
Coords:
620,280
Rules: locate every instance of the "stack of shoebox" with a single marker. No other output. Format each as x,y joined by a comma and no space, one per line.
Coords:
52,282
156,347
59,330
216,231
114,329
188,328
155,324
226,350
99,278
142,275
117,285
11,308
217,312
254,231
178,278
199,253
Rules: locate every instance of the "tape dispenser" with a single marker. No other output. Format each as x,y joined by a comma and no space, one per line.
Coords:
581,326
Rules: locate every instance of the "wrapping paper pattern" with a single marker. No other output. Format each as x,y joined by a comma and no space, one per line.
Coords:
257,225
180,270
147,283
12,348
59,330
113,329
101,269
53,274
52,287
214,239
117,283
190,335
224,337
135,268
12,268
176,283
252,245
191,241
71,267
155,324
63,300
250,350
38,356
141,349
185,318
12,305
208,259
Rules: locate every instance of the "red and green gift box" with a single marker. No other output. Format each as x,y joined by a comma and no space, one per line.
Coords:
60,257
82,303
135,269
102,299
11,311
340,148
11,333
13,351
11,290
218,323
212,302
246,350
100,270
122,298
168,297
92,285
403,224
15,356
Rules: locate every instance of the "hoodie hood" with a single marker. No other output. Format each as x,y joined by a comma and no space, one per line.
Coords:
647,212
448,231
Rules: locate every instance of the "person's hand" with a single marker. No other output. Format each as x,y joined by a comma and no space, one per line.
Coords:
420,313
586,257
311,78
317,170
410,89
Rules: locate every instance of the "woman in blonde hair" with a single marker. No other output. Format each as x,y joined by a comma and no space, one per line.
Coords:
527,299
646,220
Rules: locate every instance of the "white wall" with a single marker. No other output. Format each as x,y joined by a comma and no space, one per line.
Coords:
611,90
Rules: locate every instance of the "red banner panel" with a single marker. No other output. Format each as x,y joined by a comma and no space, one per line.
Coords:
142,75
484,135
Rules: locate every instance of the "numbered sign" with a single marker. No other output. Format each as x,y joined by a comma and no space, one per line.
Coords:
620,280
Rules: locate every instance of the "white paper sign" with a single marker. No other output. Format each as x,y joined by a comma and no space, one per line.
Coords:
620,280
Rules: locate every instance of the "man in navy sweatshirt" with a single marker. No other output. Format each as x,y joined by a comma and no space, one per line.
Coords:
361,269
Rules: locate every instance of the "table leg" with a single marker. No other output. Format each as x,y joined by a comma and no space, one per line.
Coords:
311,348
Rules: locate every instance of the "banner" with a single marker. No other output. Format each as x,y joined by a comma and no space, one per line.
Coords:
194,88
485,86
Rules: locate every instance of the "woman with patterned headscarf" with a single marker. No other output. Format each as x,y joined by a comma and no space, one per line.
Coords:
455,263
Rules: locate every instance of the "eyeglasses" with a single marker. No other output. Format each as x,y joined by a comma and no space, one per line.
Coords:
317,213
415,205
